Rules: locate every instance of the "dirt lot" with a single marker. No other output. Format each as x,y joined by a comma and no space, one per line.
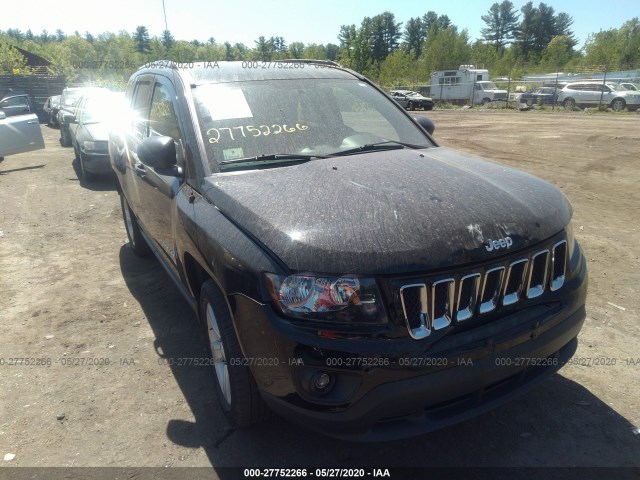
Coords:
71,288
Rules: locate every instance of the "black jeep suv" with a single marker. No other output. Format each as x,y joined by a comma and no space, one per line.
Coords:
351,275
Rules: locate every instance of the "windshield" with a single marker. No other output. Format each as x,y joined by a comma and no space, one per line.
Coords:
103,108
489,86
309,117
71,98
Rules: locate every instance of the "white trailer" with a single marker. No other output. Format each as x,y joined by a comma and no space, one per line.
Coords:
466,85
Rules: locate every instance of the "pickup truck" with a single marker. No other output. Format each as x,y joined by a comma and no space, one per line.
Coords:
349,274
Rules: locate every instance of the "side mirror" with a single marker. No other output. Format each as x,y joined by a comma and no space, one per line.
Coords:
68,118
3,115
425,123
159,153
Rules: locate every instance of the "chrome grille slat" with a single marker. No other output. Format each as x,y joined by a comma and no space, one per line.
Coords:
442,294
469,286
414,306
491,288
558,265
434,305
537,280
515,281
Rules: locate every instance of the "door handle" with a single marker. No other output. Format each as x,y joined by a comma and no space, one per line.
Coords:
139,169
31,122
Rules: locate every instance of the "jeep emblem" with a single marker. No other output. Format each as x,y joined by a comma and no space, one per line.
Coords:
505,242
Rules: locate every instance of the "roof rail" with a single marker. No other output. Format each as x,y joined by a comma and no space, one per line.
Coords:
311,61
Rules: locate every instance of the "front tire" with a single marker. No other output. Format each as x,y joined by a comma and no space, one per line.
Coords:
65,139
485,101
235,387
618,105
86,175
136,240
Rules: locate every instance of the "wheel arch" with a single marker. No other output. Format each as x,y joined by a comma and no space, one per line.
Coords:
621,99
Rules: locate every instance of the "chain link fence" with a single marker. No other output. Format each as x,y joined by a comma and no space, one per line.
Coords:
473,86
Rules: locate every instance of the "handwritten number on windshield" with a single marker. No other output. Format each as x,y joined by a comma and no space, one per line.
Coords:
215,134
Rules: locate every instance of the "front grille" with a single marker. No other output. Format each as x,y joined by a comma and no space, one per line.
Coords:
434,305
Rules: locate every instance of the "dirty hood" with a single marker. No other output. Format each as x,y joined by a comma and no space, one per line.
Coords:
389,212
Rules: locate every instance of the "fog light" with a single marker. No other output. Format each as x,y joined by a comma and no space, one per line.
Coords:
322,381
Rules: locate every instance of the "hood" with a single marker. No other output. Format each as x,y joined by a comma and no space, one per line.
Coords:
98,131
389,212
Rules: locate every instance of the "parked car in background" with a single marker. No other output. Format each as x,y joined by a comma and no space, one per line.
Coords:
348,272
68,101
17,104
629,86
539,96
411,100
51,107
594,93
19,133
89,128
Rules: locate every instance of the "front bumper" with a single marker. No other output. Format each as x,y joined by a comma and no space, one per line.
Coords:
430,402
96,162
380,396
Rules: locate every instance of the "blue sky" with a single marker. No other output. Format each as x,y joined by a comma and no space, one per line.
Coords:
304,21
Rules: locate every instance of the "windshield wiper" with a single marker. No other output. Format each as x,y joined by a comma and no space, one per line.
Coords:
370,147
299,157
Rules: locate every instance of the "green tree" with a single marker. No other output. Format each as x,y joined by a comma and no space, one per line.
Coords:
558,53
315,51
398,69
414,36
563,24
279,46
619,48
183,52
355,47
630,40
240,51
385,35
296,50
11,60
167,39
228,52
263,49
332,51
16,34
141,38
45,37
544,28
445,48
502,25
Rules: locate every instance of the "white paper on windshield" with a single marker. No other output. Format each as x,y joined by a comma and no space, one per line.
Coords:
225,104
232,153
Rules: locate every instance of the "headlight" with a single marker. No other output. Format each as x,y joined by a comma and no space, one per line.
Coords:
90,145
348,299
571,244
